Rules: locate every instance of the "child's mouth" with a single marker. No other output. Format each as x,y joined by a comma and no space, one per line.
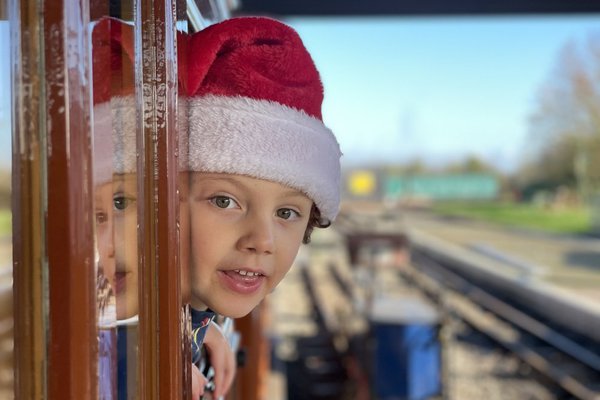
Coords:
242,281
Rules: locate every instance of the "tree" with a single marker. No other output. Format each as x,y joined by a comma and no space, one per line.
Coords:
565,126
471,164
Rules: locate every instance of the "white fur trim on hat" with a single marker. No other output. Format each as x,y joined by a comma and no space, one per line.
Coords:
114,138
266,140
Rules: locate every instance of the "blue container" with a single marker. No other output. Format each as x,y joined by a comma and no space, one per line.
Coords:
407,352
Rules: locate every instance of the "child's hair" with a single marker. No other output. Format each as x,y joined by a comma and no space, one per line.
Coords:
314,221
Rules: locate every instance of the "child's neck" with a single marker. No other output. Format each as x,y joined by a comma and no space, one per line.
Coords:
198,305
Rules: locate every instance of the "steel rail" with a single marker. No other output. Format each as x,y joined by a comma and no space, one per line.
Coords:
509,327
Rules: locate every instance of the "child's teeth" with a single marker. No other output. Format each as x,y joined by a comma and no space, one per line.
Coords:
246,273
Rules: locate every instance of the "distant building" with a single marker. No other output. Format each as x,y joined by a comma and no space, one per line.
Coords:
377,185
466,186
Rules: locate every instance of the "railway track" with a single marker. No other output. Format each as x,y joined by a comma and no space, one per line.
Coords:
571,365
567,358
317,372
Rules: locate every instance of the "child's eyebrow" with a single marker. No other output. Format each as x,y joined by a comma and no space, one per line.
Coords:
218,179
120,181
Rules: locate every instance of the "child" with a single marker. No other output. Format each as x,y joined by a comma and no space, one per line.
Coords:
264,169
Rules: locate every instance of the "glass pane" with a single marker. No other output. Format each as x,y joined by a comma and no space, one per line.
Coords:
6,323
115,197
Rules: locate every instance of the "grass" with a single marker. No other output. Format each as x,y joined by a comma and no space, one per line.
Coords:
564,220
5,222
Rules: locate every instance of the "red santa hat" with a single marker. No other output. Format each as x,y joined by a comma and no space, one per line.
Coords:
114,112
254,108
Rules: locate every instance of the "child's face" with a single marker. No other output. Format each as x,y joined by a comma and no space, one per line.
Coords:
116,228
245,234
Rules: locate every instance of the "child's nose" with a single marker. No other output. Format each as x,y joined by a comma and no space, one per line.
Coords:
111,243
105,240
258,236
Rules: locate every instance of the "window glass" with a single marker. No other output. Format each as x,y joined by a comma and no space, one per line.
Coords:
6,331
115,196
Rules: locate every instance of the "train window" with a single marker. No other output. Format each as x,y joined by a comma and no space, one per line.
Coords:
102,229
97,276
134,73
114,132
95,208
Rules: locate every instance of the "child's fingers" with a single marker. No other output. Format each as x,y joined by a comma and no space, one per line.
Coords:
219,368
224,368
198,383
229,370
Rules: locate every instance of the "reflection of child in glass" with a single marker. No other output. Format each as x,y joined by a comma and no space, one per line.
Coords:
264,169
116,191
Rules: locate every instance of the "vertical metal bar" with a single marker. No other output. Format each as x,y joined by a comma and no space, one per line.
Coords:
160,294
29,289
72,350
54,291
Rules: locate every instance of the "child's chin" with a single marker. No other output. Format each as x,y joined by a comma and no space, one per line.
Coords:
233,310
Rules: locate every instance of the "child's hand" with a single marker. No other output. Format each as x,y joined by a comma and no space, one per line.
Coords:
221,359
198,383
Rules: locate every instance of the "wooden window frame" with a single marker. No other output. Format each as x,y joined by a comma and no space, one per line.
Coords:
53,246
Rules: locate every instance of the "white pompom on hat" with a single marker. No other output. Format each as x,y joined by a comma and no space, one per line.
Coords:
254,108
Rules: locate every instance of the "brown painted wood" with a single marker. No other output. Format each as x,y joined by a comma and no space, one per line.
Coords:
72,341
27,205
54,279
161,355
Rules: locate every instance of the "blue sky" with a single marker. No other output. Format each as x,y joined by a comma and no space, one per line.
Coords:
397,89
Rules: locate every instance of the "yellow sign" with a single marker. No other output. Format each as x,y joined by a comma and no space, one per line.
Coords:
362,183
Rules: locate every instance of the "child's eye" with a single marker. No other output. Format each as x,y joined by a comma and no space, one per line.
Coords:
287,213
223,202
121,202
101,217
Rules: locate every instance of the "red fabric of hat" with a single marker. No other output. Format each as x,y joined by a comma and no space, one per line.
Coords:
257,58
114,113
255,108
